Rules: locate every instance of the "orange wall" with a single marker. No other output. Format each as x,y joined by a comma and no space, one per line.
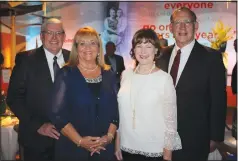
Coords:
5,41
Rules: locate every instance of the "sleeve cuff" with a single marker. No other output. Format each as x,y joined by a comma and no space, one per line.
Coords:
172,141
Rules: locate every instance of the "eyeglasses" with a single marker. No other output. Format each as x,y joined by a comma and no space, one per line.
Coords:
52,33
90,44
179,22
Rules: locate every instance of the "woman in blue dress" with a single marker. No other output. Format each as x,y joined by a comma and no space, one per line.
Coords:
85,108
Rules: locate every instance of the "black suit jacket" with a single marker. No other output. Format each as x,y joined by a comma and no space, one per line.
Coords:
201,98
29,96
119,63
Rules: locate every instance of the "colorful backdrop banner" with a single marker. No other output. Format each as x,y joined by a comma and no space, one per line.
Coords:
118,21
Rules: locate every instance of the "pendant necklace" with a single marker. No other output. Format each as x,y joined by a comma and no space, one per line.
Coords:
132,99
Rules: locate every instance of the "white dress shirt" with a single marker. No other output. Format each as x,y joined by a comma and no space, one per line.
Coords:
50,61
185,53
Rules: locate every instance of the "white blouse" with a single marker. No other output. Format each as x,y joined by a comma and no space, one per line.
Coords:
153,98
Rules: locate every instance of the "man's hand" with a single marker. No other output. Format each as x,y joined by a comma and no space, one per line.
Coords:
213,146
49,130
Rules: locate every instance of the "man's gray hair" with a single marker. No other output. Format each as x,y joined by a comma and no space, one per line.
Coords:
51,21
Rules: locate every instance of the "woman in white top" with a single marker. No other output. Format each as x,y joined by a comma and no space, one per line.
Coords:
147,106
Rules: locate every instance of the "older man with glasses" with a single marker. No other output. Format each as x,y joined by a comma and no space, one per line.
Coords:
29,94
199,78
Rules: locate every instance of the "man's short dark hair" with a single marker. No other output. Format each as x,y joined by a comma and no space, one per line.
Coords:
111,43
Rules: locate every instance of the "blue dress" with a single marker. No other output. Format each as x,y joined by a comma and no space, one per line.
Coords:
91,115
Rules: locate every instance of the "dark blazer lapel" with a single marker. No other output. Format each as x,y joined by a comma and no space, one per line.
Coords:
190,65
44,70
66,55
118,63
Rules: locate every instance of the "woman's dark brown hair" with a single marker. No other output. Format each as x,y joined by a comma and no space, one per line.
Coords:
145,36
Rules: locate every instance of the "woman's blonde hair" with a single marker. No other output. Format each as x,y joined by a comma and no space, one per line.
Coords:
81,34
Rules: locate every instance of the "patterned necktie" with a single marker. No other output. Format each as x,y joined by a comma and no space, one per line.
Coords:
55,66
175,66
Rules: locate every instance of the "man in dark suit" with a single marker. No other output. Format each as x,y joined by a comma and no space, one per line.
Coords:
199,77
116,61
30,89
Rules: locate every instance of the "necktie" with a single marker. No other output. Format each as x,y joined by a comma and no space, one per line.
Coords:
175,66
55,66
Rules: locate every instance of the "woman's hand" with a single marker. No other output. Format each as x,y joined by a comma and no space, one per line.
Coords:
118,153
90,143
96,150
167,155
104,140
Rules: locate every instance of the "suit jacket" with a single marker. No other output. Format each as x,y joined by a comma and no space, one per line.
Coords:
119,63
28,96
201,98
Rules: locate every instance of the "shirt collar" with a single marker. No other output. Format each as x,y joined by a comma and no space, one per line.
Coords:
185,48
50,56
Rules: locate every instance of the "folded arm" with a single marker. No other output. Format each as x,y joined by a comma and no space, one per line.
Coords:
217,88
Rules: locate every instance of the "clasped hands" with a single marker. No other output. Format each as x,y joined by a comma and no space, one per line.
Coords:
95,144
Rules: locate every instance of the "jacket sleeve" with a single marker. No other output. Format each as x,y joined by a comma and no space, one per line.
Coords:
17,93
217,90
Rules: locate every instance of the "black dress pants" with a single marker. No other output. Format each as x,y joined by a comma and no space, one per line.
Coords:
137,157
34,154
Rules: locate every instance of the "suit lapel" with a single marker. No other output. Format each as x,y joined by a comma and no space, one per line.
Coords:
43,67
66,55
117,59
190,66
